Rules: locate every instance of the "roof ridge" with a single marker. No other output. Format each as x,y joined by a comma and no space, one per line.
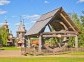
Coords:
52,10
57,9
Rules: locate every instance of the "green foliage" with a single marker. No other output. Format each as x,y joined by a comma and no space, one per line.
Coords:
10,48
3,36
79,21
51,41
71,42
82,20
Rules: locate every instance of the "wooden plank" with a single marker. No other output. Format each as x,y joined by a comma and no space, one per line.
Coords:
67,21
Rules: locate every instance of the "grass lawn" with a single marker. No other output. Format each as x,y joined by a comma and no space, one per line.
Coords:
10,48
76,53
42,59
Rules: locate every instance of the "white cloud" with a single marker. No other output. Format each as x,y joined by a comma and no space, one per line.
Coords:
32,18
4,2
2,12
46,2
80,1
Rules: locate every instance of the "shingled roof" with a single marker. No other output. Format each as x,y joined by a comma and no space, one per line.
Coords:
44,20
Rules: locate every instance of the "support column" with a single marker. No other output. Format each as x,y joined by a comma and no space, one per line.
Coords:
76,41
59,42
65,41
29,42
40,43
43,42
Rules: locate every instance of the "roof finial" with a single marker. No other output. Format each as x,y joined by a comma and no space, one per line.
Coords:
5,22
61,8
21,20
21,27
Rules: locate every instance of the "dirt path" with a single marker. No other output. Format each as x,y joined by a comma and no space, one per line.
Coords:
10,53
17,53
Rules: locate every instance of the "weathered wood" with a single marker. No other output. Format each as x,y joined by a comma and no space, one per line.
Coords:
70,35
29,42
64,25
40,43
50,27
67,21
60,32
59,42
76,41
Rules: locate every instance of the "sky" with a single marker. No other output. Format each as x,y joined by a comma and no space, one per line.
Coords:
30,10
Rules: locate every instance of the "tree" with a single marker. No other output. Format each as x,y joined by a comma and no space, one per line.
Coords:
79,21
3,36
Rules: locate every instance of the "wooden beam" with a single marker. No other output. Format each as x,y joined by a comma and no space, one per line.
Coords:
40,43
59,42
67,21
29,42
64,25
60,32
69,35
76,41
50,27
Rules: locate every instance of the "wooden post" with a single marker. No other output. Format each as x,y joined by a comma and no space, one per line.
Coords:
40,43
65,41
50,28
43,42
76,41
59,42
29,42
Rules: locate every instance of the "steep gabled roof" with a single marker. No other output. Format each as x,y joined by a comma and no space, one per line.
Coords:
44,20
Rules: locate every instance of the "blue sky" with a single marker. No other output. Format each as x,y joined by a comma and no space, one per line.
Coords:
31,10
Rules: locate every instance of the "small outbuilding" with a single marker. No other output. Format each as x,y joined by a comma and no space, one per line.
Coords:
59,21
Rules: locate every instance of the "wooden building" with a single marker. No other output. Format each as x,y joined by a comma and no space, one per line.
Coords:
59,21
20,34
10,38
5,25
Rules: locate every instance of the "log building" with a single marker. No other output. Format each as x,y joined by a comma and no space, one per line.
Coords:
59,21
20,34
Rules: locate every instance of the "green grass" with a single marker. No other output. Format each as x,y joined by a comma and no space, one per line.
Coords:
76,53
10,48
42,59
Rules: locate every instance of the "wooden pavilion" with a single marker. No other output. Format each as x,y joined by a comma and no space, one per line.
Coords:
61,23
